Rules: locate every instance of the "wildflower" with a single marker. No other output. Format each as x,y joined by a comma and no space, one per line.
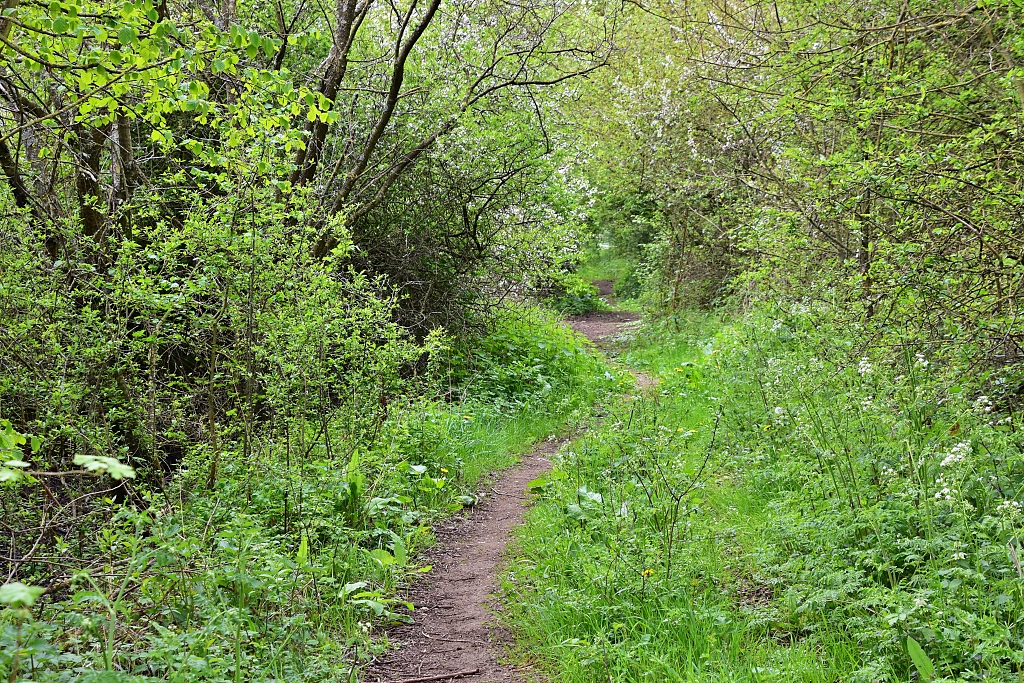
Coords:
648,572
864,367
467,417
922,362
445,470
1009,508
779,410
983,404
957,453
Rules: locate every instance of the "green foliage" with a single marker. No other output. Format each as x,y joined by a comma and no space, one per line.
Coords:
17,594
526,358
790,150
922,662
578,296
783,507
287,567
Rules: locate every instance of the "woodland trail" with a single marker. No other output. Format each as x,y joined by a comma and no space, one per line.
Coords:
454,634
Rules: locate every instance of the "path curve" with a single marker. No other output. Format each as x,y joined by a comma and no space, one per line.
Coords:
453,634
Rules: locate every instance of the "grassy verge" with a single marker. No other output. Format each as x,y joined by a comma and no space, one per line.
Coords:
784,506
288,568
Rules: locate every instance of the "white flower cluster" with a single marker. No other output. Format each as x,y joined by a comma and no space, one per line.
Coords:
957,453
945,493
983,404
922,362
1010,508
864,367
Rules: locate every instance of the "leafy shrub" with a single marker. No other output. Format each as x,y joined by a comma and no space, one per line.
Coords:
286,567
577,297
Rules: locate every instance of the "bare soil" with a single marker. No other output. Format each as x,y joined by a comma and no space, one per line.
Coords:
454,633
602,327
454,628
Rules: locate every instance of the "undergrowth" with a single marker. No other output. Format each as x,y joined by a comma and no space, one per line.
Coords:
287,569
788,504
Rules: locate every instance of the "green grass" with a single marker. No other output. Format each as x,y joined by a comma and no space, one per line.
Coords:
739,524
603,264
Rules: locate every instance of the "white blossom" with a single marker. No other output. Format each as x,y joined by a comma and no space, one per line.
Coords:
957,453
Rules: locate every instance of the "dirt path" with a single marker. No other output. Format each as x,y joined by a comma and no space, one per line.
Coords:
602,327
454,631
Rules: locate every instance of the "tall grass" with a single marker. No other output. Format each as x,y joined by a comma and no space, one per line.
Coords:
784,506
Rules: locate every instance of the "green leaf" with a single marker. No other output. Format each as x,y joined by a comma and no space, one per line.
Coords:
382,556
107,677
401,554
127,35
539,484
349,588
922,662
101,464
18,594
9,475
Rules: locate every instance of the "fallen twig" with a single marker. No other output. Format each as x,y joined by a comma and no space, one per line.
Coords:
445,639
440,677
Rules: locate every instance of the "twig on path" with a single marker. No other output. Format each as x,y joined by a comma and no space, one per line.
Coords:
509,495
440,677
453,640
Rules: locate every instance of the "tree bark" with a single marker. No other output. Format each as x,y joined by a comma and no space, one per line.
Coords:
22,197
349,19
87,181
